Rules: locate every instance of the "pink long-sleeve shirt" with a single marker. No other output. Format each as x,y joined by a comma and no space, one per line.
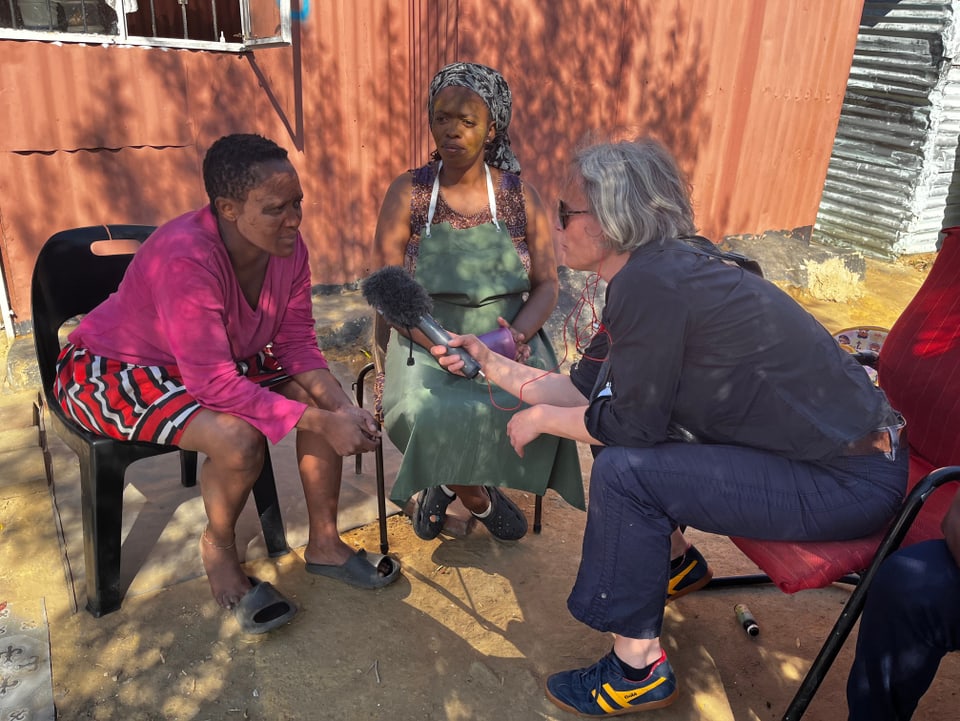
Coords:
180,304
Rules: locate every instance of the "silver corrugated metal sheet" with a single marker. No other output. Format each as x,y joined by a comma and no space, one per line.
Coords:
891,183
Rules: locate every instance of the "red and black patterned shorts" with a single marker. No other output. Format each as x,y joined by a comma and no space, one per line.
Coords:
138,403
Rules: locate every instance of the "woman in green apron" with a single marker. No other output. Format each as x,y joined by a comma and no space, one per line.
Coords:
478,239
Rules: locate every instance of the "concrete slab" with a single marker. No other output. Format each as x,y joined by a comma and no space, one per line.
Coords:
26,686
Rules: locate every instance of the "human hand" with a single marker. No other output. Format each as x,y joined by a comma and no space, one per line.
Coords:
366,419
524,428
522,354
352,430
451,362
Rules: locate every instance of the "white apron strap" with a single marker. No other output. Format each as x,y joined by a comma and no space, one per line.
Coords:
435,194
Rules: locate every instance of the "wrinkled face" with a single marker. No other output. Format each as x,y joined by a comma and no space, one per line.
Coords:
270,215
461,125
577,236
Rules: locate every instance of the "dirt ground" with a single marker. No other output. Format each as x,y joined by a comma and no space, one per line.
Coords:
469,632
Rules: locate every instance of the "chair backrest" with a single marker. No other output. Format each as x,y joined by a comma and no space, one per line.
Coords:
75,271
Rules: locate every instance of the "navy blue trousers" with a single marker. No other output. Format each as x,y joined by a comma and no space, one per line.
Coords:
639,495
910,621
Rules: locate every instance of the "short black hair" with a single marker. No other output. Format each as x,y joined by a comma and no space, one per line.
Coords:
229,167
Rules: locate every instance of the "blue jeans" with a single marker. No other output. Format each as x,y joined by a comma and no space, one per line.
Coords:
910,621
639,495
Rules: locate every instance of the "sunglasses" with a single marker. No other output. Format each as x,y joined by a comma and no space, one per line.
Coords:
564,212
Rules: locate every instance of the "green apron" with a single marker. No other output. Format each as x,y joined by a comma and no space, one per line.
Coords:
452,430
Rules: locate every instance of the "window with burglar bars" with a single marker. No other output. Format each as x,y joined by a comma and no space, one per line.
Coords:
231,25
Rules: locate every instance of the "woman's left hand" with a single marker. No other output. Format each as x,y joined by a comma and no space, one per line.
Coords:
348,429
366,421
524,428
522,354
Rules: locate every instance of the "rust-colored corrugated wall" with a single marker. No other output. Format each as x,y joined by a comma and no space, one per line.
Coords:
746,92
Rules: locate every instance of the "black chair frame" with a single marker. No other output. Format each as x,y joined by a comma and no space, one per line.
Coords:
861,581
70,279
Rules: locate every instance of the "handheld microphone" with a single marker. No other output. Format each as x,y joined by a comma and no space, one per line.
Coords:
404,303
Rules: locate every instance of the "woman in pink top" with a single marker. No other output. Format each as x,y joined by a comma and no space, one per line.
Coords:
209,344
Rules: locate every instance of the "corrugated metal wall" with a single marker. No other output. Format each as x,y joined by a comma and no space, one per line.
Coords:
746,93
892,180
105,134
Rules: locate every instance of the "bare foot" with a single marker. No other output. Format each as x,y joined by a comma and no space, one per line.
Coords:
330,553
337,553
228,582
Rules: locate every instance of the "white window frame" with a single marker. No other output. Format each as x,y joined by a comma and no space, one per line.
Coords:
123,39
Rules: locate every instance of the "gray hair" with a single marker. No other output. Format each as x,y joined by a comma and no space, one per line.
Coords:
636,192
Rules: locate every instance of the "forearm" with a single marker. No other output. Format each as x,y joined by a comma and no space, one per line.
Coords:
538,307
327,393
531,385
566,422
325,389
347,428
315,420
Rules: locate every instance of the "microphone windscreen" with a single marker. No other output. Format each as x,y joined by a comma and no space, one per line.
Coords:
395,294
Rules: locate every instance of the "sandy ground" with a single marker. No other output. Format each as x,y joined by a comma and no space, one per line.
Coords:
469,631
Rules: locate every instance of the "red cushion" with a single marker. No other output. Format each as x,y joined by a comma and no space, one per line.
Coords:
796,566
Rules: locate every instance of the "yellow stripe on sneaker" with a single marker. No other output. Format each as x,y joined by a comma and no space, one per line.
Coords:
622,698
674,580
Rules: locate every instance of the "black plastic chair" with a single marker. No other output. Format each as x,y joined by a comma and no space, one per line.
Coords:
76,271
381,335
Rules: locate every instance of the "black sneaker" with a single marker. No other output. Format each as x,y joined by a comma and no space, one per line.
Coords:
692,575
602,689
